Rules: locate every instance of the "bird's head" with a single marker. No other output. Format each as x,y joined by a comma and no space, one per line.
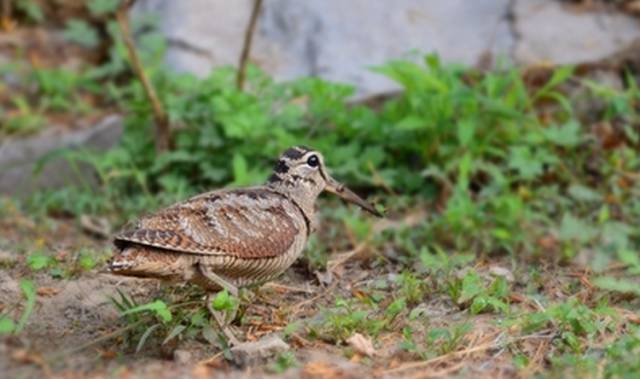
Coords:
301,173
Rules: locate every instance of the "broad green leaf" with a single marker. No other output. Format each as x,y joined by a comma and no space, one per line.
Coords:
222,301
471,287
528,165
80,32
572,228
7,325
567,135
37,262
102,7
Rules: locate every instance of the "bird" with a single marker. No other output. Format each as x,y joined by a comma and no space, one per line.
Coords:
232,238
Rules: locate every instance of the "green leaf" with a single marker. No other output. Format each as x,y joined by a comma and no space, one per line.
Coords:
560,75
29,292
478,305
37,262
159,307
465,131
80,32
582,193
574,229
102,7
411,123
222,301
396,307
240,170
7,325
31,9
145,336
174,333
525,162
610,283
471,287
567,135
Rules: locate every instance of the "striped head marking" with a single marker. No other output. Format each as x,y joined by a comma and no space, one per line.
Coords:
300,173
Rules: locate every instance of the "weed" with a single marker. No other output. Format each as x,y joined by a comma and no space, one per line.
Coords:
283,362
7,324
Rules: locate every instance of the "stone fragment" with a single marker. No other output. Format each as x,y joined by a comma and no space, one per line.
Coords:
249,353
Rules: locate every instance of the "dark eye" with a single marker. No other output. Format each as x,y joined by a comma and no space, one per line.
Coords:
313,161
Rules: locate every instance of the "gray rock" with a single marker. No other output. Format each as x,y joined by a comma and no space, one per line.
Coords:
334,39
182,357
249,353
340,40
18,157
550,32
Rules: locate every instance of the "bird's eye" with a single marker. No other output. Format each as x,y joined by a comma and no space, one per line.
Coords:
313,161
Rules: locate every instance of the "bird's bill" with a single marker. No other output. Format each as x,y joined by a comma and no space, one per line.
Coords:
339,189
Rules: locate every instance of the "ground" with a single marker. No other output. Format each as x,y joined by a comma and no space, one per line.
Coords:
509,247
76,331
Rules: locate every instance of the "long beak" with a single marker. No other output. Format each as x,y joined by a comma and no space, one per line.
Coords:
339,189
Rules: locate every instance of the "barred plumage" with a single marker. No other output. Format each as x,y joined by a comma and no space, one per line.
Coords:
237,237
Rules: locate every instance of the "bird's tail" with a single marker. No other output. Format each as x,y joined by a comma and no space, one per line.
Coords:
147,262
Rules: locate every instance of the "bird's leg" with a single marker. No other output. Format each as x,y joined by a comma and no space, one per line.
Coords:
217,280
221,321
219,316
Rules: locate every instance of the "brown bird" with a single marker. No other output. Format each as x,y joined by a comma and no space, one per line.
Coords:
232,238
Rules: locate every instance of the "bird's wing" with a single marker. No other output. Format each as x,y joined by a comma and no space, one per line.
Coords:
250,223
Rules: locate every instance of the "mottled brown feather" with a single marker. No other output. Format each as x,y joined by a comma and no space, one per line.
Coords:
248,223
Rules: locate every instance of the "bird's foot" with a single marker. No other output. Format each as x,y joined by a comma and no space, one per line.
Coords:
221,320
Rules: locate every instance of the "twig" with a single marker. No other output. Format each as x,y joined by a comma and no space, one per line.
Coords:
294,309
485,346
344,257
163,133
6,21
98,340
212,359
246,46
278,286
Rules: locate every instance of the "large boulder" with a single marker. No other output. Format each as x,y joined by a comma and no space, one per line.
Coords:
340,40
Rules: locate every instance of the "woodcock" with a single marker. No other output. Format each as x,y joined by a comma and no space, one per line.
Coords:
232,238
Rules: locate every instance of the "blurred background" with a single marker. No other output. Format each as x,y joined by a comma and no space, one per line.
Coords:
501,137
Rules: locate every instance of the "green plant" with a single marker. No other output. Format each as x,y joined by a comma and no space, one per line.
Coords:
37,261
7,324
283,362
80,32
470,290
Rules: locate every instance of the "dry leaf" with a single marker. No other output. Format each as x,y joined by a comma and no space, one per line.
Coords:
48,291
361,344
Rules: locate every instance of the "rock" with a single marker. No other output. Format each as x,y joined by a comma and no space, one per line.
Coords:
550,32
334,39
182,357
502,272
249,353
9,288
7,258
19,156
362,344
339,40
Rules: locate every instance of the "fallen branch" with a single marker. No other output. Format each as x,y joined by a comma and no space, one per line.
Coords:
246,46
163,132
